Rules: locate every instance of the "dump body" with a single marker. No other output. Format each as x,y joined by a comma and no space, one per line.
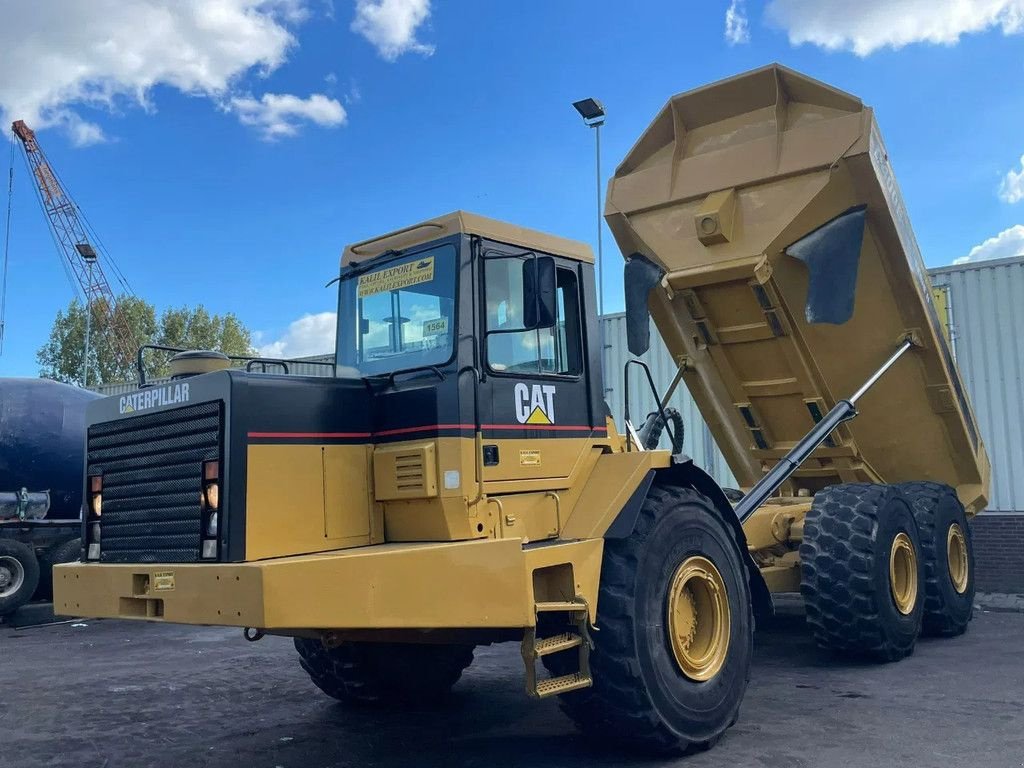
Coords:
772,329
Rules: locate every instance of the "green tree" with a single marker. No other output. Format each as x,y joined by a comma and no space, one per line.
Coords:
189,328
61,356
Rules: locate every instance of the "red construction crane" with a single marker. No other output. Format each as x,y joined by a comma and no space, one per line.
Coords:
72,239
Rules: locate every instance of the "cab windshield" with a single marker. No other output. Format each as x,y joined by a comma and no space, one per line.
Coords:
400,315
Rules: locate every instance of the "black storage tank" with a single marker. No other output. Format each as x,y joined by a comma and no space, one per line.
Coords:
42,441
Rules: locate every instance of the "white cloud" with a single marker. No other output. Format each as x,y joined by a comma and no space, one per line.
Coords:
309,335
390,25
280,114
737,28
108,54
1009,242
867,25
1012,188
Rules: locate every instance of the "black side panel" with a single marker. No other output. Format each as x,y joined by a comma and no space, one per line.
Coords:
290,410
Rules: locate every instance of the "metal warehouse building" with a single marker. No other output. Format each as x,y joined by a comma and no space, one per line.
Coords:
984,307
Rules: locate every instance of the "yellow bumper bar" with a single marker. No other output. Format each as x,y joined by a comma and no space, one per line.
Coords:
474,584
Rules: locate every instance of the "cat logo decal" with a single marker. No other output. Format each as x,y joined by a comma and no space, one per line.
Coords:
535,403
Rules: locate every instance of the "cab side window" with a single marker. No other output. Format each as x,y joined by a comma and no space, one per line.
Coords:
511,348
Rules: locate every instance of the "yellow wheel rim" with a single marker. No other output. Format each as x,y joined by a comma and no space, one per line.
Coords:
903,573
698,618
956,557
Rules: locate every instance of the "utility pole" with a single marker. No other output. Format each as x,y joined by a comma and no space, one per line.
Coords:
90,259
592,112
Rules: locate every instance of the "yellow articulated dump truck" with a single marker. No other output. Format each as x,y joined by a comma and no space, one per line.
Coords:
460,481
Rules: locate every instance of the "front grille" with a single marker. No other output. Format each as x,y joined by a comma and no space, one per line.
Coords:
152,480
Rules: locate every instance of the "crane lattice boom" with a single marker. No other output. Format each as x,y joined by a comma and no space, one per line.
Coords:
74,244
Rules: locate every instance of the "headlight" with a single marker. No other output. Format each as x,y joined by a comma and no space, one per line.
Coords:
96,494
211,525
212,496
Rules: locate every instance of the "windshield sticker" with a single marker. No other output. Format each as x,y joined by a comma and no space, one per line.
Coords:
435,327
396,278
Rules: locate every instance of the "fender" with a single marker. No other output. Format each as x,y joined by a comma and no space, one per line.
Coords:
684,473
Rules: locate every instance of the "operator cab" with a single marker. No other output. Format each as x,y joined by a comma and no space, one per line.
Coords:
466,327
400,293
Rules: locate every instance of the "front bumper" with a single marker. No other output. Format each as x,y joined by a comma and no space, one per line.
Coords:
473,584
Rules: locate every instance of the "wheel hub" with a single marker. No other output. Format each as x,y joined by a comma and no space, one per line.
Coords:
956,558
12,575
903,573
698,618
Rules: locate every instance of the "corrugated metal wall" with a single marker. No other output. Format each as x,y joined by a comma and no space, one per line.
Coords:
986,307
986,302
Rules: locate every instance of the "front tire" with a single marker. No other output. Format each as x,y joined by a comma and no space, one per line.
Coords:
369,673
862,571
674,639
948,554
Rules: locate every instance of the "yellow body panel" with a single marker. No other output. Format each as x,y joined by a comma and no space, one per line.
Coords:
306,498
474,584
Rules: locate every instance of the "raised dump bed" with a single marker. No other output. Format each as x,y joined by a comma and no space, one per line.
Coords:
792,274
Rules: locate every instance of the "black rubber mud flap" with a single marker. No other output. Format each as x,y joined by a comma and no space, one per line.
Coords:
832,255
641,275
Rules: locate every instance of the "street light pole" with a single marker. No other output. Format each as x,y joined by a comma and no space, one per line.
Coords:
592,112
88,322
600,252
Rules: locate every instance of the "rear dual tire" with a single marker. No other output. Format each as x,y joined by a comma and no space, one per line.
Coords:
948,554
862,571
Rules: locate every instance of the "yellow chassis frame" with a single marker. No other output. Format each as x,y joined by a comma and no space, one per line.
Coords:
482,584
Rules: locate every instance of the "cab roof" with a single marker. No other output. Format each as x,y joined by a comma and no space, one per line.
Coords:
470,223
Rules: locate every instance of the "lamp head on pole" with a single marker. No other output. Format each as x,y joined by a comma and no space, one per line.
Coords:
591,110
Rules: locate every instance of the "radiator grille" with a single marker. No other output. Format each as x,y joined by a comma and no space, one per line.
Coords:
152,470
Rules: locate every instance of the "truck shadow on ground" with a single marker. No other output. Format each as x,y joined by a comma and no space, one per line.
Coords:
488,722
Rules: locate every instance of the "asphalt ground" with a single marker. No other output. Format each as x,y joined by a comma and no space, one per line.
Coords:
110,694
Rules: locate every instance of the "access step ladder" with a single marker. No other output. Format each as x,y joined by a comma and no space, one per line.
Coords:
577,637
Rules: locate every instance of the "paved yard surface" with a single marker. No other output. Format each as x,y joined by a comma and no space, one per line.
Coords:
125,694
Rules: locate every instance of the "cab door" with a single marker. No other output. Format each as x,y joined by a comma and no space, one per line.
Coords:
535,403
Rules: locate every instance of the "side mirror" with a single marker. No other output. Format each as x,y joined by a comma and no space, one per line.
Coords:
641,275
539,293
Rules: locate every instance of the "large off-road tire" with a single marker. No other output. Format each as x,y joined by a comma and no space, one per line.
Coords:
948,554
68,552
674,637
862,571
19,575
367,673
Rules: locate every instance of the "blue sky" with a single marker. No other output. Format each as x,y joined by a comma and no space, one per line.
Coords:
226,150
